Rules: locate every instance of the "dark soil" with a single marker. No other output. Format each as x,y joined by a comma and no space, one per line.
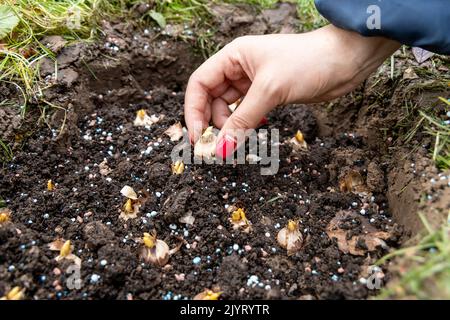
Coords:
303,189
84,207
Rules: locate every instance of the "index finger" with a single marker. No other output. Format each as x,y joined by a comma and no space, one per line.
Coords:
209,81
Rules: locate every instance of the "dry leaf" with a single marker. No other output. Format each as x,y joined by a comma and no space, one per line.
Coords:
352,181
175,132
371,238
129,192
103,168
188,218
409,74
421,55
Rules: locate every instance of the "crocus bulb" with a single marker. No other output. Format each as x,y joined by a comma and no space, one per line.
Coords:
205,147
208,295
128,206
143,119
155,251
50,185
239,220
299,136
149,240
178,167
290,237
65,249
15,293
5,215
132,204
298,142
141,114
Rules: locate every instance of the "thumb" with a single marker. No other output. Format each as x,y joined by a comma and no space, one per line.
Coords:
248,115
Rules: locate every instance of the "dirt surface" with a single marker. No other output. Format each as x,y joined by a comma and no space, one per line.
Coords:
102,88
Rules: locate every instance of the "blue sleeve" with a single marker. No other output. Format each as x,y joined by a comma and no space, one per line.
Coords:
418,23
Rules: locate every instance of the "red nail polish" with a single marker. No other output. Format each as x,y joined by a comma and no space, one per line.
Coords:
263,122
226,146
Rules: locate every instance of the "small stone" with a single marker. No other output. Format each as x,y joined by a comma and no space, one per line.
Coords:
196,260
180,277
252,280
95,278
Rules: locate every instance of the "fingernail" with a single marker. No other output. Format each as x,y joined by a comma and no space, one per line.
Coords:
226,146
263,121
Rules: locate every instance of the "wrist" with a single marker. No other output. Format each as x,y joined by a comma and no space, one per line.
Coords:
367,53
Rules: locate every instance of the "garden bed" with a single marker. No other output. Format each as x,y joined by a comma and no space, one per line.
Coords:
103,88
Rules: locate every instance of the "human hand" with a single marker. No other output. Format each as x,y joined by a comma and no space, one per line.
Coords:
272,70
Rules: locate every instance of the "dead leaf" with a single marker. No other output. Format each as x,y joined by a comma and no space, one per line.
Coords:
421,55
409,74
371,238
104,169
352,181
56,245
188,218
175,132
